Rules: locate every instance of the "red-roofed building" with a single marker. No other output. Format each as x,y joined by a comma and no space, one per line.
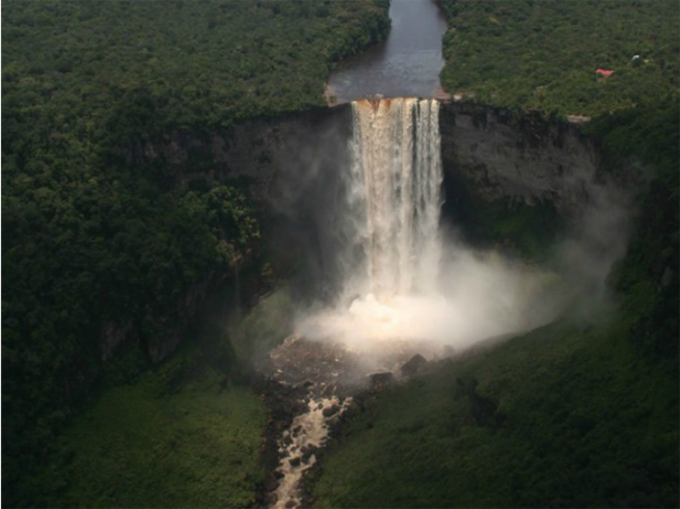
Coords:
603,72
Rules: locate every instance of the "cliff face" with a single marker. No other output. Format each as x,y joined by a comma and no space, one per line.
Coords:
526,159
290,166
270,154
169,329
293,166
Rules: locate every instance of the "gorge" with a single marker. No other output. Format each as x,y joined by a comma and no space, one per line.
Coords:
398,290
225,289
303,170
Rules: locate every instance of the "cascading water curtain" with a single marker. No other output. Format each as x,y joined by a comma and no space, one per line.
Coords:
393,198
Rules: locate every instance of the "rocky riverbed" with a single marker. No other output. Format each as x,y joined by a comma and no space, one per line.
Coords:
311,389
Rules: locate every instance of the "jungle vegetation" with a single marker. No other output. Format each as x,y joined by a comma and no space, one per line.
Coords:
93,239
544,55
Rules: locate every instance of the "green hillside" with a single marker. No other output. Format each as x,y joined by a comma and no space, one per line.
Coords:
561,417
153,444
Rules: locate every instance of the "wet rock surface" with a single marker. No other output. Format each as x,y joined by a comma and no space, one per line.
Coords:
381,379
415,365
312,389
321,369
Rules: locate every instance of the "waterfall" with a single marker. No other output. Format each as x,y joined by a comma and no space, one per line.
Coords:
388,224
393,198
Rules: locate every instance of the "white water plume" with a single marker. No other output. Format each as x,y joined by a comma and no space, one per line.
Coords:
393,198
400,283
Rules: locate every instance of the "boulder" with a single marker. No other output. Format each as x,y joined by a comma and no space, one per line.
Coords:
381,379
414,365
331,410
270,483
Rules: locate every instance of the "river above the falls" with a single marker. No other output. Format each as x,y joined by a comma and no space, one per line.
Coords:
407,64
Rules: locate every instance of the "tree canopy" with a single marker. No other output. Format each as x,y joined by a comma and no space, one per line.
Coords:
92,240
544,54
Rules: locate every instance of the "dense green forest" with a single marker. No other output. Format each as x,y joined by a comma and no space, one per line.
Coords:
544,54
562,417
94,242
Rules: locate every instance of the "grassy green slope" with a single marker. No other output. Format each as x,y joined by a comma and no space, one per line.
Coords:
186,433
144,445
580,421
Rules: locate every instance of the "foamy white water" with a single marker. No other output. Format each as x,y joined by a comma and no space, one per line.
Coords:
307,433
394,198
397,285
391,262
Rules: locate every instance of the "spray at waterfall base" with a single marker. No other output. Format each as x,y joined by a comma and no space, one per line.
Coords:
404,287
408,293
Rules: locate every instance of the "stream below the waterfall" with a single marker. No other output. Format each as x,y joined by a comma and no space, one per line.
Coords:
312,389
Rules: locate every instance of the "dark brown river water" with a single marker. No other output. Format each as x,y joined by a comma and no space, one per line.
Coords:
407,64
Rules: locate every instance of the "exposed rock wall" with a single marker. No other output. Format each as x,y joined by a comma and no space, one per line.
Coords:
270,152
293,166
290,165
526,159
